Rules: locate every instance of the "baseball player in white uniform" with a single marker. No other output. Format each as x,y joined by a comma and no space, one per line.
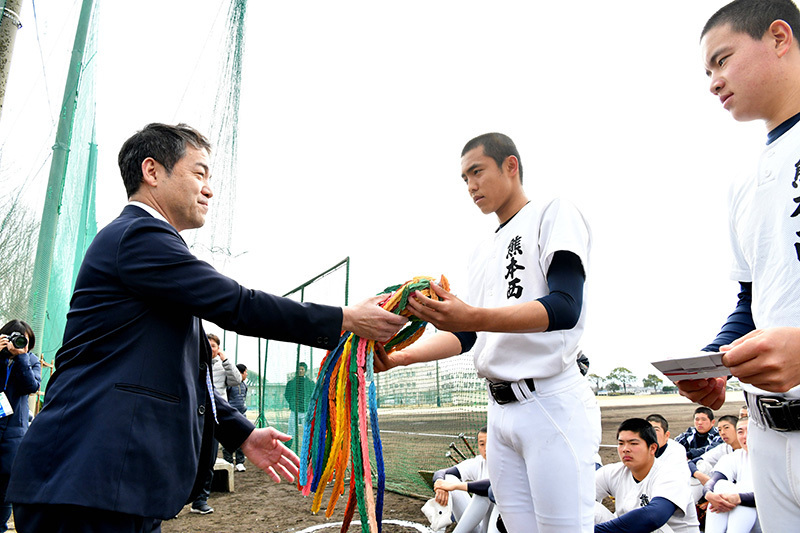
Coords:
523,321
473,513
649,494
729,491
752,56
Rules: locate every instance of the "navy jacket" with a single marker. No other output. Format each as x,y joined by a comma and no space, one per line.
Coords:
127,416
24,377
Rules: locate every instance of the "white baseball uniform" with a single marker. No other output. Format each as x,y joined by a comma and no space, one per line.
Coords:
706,464
736,468
471,512
541,447
764,226
616,480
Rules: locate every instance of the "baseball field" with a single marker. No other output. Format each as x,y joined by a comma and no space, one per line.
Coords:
259,505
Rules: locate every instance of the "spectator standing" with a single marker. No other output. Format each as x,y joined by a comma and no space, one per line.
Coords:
298,393
237,397
224,374
22,377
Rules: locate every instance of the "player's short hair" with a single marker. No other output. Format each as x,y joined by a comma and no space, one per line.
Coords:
731,419
660,420
241,367
164,143
641,427
302,365
754,17
706,411
483,430
497,146
214,338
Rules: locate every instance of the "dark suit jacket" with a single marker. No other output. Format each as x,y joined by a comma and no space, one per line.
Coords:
127,417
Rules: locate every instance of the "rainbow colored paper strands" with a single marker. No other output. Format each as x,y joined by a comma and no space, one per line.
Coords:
335,433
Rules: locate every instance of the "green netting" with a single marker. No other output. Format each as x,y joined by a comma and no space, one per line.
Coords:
68,217
422,409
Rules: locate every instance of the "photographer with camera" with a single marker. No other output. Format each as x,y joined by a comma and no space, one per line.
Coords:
23,374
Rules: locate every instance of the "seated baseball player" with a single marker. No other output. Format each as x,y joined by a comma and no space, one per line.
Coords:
649,495
702,466
473,513
668,449
702,437
730,491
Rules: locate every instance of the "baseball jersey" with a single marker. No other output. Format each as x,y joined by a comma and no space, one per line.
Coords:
662,481
473,469
675,456
735,466
765,235
509,268
706,462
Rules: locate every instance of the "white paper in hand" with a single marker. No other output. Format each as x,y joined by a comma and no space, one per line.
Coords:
702,365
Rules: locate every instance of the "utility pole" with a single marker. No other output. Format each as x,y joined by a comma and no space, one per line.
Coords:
9,24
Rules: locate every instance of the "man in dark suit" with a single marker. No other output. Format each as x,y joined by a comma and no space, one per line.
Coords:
130,412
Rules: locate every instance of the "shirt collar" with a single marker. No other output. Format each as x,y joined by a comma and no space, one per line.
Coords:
150,211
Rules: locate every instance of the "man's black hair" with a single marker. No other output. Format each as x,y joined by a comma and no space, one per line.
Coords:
731,419
660,420
706,411
497,146
164,143
241,367
641,427
754,17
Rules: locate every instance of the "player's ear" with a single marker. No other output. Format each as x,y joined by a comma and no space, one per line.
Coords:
666,434
511,165
780,33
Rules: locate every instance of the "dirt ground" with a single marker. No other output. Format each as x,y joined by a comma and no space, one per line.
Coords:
259,505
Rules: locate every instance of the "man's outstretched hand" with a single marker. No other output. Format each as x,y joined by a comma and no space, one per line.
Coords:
369,321
265,449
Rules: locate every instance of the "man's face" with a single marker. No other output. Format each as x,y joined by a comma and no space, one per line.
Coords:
301,371
702,423
741,432
727,431
489,186
742,71
633,450
661,435
183,195
482,444
214,347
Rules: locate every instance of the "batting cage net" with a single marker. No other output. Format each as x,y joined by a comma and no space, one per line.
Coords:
429,414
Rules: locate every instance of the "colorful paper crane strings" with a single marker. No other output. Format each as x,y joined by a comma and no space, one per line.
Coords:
335,431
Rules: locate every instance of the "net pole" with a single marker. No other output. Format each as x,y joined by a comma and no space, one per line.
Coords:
55,184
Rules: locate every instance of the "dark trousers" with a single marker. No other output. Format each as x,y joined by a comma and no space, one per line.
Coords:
229,456
206,489
51,518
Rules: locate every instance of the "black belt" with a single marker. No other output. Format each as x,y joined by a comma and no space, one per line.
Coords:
779,413
502,392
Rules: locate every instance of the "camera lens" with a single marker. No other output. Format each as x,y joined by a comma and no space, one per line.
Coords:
18,340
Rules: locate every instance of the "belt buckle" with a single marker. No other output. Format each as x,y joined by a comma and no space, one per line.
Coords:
497,390
768,405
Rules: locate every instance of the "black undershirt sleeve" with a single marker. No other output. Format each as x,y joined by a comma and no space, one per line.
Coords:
565,279
739,323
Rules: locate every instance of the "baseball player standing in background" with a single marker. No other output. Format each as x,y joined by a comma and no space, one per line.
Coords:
523,320
752,56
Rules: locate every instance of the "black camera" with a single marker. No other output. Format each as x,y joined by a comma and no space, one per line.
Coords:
17,340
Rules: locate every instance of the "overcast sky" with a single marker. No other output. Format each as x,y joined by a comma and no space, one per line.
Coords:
353,116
